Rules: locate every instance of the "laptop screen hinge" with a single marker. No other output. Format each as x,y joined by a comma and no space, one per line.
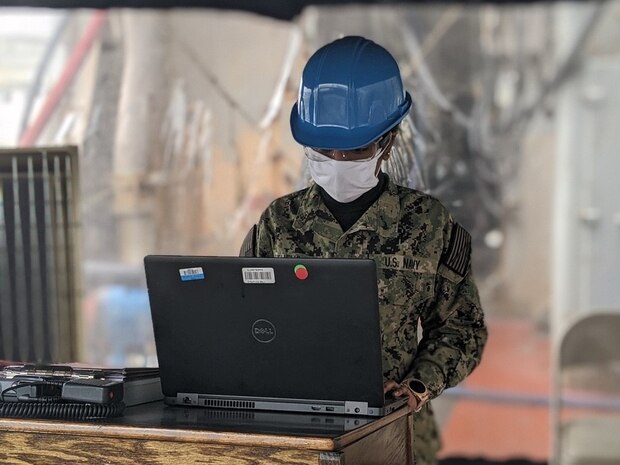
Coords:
356,408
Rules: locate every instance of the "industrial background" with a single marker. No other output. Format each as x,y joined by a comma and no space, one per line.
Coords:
130,132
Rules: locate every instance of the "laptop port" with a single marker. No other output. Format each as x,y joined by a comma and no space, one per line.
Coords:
329,409
315,407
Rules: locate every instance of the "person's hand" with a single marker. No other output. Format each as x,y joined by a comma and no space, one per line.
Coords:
398,391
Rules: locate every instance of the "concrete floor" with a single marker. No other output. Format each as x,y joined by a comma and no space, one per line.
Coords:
516,360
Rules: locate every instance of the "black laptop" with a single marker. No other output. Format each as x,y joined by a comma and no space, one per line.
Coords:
278,334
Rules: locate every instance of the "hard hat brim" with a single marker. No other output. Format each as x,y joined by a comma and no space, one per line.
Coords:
332,137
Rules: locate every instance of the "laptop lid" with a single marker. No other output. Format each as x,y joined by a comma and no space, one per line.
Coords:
273,328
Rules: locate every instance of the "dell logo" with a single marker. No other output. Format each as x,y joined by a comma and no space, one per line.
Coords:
263,331
267,331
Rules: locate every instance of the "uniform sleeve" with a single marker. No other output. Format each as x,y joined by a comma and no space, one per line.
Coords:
258,241
248,247
264,237
454,331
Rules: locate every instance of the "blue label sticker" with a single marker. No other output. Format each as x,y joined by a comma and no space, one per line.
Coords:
191,274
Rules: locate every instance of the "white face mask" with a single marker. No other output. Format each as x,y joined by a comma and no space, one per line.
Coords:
345,181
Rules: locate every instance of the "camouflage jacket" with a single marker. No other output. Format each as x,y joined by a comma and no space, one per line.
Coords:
423,272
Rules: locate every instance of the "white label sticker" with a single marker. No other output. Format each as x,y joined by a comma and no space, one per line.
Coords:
258,275
191,274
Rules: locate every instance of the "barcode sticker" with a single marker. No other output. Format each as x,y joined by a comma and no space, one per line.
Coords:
258,275
191,274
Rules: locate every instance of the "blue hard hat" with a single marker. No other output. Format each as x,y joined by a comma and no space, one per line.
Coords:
351,93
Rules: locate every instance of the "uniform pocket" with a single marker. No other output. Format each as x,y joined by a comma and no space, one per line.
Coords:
404,287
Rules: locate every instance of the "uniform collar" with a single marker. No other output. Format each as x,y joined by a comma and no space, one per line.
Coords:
382,216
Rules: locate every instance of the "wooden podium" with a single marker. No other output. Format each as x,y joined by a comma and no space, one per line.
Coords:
158,434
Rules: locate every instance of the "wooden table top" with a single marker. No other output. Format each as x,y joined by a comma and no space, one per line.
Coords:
156,421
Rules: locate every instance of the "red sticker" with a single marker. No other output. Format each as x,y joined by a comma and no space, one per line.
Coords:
301,272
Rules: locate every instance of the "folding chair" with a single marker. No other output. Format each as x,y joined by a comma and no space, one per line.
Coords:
585,407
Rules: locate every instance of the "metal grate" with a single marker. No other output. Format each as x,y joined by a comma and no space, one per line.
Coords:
229,403
38,243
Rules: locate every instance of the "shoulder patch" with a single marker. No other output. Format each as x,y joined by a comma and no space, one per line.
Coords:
458,255
248,248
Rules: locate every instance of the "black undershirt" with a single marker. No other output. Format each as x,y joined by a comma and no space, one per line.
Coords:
348,213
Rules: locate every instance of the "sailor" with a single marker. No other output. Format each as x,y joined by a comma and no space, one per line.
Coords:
350,104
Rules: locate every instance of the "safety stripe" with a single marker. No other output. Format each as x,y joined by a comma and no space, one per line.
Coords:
459,251
248,248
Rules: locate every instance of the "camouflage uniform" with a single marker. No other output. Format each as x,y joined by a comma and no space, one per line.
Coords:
423,272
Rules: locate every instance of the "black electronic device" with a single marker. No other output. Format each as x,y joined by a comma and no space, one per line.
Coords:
52,391
93,391
290,334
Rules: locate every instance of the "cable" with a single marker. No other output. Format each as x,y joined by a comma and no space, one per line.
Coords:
61,410
42,398
53,390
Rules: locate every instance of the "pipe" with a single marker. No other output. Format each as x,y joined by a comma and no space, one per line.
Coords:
538,400
35,87
72,66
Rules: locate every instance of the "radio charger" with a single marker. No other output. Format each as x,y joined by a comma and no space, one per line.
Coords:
93,391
